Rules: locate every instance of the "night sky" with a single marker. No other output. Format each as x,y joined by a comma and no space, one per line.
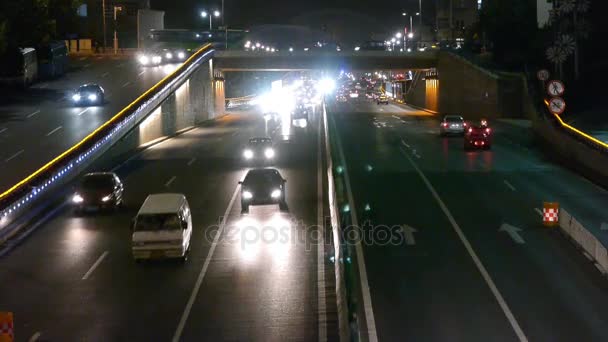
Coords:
245,13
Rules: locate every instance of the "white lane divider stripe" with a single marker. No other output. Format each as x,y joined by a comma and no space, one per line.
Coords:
83,111
105,74
32,114
509,185
126,84
482,269
99,260
191,161
370,321
35,337
53,131
13,156
199,281
141,73
171,180
540,212
322,307
2,130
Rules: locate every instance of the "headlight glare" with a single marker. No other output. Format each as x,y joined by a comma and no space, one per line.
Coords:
76,97
275,193
106,198
269,153
92,97
77,198
247,194
248,154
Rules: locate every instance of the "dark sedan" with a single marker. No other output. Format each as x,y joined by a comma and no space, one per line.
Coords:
88,94
263,186
98,190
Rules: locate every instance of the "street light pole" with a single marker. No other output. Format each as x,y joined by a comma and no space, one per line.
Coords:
116,10
103,15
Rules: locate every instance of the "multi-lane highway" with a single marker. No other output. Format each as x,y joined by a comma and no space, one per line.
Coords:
40,123
473,262
257,277
468,259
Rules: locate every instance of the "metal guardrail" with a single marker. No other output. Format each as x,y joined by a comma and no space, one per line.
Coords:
18,198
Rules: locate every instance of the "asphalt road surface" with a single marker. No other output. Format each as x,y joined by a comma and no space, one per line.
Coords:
263,278
470,259
38,124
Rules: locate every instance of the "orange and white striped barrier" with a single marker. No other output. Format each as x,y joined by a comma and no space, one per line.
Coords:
6,327
550,214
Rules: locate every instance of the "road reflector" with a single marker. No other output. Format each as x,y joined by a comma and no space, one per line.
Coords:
6,327
550,214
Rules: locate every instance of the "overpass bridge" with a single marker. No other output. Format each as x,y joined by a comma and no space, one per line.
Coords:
309,60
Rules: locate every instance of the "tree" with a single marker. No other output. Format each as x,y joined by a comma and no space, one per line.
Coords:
512,30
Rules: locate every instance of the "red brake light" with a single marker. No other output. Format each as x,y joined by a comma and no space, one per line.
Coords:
488,130
445,124
464,124
470,129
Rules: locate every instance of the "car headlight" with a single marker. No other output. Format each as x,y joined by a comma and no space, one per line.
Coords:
181,55
76,97
106,198
275,193
77,198
248,154
247,194
144,60
269,153
156,59
92,97
168,55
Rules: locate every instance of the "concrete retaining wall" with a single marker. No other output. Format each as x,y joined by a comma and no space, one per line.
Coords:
464,88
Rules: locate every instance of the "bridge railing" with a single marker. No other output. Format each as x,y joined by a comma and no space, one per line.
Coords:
20,197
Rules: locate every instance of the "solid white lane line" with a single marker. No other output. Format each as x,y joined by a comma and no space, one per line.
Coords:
126,84
2,130
84,111
191,161
509,185
396,117
13,156
35,337
99,260
170,181
32,114
484,272
53,131
322,308
199,281
105,74
370,321
141,73
540,212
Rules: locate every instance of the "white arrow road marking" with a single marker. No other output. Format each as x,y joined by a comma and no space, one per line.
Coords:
513,232
408,234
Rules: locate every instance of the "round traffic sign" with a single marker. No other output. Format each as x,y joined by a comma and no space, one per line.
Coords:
543,74
556,88
557,105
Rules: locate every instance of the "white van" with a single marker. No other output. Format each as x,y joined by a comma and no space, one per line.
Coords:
162,228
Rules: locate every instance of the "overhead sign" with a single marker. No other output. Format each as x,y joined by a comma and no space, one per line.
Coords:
556,88
557,105
543,74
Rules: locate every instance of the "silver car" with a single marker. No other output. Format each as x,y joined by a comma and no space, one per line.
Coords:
452,124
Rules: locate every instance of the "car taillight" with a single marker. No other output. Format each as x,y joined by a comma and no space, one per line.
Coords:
464,124
445,124
470,130
488,130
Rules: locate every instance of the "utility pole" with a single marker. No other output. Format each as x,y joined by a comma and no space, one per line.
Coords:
223,14
103,15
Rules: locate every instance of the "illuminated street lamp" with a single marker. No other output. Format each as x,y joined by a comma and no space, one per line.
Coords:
206,14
